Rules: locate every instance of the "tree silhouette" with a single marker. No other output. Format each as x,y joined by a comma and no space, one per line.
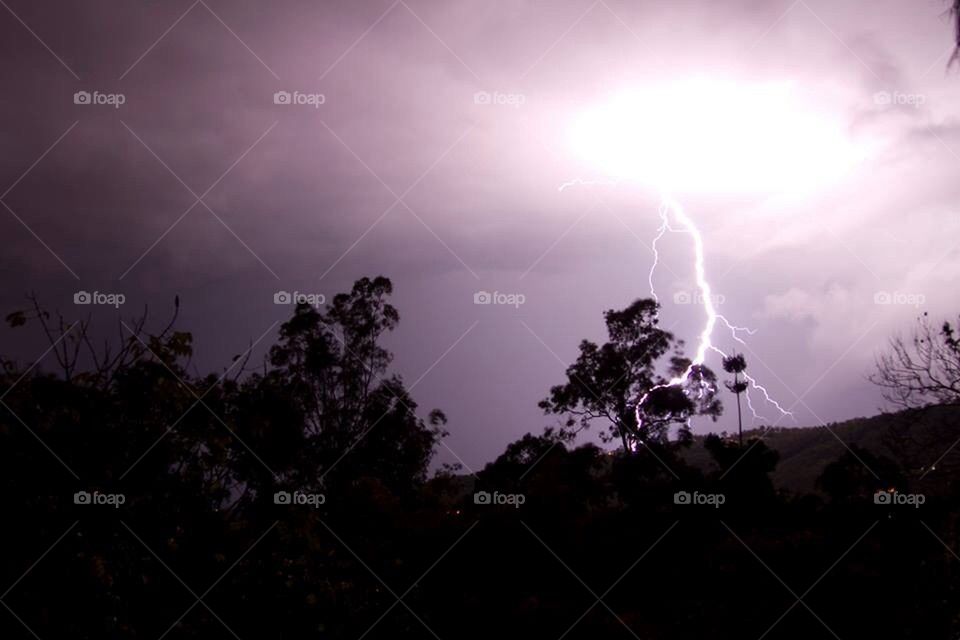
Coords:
334,370
736,364
607,382
199,458
922,370
852,476
743,472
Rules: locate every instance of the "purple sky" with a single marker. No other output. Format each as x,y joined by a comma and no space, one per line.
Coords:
401,172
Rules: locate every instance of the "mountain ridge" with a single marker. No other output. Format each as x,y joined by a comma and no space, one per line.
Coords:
806,451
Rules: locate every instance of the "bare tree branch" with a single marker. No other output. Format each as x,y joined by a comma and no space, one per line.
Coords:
923,369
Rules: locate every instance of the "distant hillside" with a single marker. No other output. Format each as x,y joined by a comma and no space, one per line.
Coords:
913,441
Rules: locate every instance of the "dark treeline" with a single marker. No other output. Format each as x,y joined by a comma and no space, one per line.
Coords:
293,498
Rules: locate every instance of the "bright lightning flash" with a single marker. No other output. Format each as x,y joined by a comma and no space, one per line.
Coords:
714,136
705,343
710,136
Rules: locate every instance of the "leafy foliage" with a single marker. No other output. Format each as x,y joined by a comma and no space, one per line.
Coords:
607,382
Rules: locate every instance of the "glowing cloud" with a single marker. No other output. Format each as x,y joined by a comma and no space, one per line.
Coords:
714,136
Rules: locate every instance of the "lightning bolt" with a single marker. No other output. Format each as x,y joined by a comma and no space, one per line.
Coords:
705,343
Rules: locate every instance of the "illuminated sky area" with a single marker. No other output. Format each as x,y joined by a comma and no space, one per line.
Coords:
816,144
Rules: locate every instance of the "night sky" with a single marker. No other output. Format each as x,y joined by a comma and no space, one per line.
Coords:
429,143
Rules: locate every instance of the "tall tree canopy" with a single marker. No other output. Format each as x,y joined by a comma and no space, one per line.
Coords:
607,382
